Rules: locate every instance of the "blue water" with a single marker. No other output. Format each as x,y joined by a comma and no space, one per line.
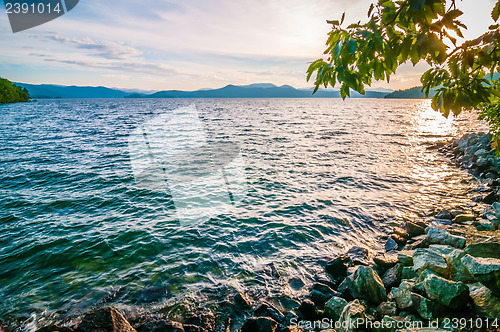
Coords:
322,175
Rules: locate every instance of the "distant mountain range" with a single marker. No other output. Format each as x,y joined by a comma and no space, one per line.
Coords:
258,90
412,93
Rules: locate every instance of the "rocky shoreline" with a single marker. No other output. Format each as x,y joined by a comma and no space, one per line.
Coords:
441,272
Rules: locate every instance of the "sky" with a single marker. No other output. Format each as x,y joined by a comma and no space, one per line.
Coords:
190,44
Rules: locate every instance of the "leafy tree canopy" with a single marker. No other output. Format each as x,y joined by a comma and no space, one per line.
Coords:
413,30
11,93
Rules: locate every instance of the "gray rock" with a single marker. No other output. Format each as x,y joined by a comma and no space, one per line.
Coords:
387,309
367,285
105,320
358,256
386,260
266,309
408,272
426,308
461,218
442,248
351,313
485,302
440,236
454,295
403,296
392,277
484,225
458,272
487,249
334,307
444,214
429,259
193,328
405,257
415,229
391,245
484,270
259,324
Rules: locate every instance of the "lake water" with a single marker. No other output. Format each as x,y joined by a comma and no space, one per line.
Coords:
321,175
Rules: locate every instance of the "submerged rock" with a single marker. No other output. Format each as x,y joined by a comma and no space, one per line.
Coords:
429,259
334,307
484,270
105,320
268,310
308,309
462,218
337,269
162,325
415,229
440,236
454,295
485,302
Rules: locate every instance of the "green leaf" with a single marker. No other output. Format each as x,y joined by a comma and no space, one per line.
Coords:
342,19
496,11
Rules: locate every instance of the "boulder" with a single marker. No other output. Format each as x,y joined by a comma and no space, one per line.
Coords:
308,309
408,272
358,255
429,259
405,257
440,236
348,319
105,320
484,225
337,269
444,214
454,295
442,248
266,309
403,296
490,249
386,260
484,270
391,244
458,272
334,307
415,229
462,218
485,302
392,277
387,309
426,308
367,285
260,324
